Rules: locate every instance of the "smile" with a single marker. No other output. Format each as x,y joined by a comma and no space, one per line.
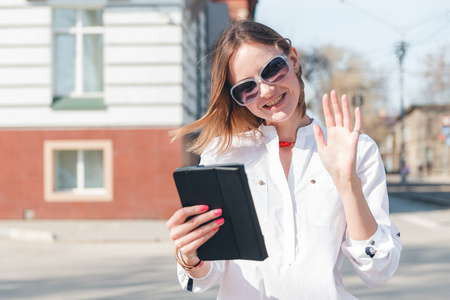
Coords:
275,102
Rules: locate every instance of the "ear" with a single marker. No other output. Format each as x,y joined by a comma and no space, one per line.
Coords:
294,50
293,55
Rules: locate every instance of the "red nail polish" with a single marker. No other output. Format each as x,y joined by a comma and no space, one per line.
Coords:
215,229
220,221
218,212
204,208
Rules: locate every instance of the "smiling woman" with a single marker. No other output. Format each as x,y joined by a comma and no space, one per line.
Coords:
277,91
225,117
320,193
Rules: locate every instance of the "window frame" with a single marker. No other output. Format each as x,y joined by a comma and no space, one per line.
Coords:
104,194
78,31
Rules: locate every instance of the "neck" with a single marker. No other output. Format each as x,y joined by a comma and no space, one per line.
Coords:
287,130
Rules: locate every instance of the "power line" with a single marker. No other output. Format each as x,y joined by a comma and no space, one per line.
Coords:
427,19
432,32
373,16
435,35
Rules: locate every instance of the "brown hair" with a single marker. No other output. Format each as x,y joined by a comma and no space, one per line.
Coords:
225,118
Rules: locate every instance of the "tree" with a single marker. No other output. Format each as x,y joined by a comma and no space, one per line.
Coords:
348,72
436,74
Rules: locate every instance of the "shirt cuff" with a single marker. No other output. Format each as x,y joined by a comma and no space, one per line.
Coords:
372,241
198,285
378,246
206,276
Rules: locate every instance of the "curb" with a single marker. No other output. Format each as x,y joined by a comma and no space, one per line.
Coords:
27,235
85,231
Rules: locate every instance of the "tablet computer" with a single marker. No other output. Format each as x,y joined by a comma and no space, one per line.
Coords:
226,187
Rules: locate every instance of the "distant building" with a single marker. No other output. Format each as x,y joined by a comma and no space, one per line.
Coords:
89,91
240,9
426,154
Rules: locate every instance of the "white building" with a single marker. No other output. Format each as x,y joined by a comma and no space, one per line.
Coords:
89,90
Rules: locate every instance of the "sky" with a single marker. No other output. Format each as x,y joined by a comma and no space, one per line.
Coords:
372,28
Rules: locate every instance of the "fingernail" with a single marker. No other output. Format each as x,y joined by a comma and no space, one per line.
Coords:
204,208
215,229
218,212
220,221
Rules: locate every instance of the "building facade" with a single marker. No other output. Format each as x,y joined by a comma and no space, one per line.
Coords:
89,91
426,153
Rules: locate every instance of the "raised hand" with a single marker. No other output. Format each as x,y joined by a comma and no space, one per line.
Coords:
338,152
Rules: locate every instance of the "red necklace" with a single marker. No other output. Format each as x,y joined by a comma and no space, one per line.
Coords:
283,144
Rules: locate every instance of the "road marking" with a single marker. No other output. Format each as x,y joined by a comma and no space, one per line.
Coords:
421,221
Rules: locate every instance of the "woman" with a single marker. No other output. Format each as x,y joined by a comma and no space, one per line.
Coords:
319,193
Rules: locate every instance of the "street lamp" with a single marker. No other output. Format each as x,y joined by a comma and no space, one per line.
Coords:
400,51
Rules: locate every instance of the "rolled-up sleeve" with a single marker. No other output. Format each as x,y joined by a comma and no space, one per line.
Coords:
199,285
376,259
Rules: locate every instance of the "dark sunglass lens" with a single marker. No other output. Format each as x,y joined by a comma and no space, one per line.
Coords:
245,92
275,70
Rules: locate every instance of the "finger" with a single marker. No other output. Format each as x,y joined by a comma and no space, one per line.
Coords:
199,233
202,219
191,248
184,229
328,114
318,135
358,119
336,108
182,214
346,111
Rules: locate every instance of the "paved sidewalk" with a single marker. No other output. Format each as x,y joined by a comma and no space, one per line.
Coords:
85,230
133,259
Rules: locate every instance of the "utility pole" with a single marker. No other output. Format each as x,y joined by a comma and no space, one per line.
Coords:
400,51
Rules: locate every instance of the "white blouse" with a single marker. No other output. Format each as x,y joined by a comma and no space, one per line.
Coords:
303,223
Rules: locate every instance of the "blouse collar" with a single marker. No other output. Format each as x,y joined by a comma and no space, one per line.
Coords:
270,133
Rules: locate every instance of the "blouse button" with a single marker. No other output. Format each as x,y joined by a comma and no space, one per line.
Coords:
261,182
372,243
313,181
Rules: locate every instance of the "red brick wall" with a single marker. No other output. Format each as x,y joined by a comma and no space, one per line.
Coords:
234,6
143,163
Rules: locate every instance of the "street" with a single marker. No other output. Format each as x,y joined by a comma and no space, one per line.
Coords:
145,269
424,265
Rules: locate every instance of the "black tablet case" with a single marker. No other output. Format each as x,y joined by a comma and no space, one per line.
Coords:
226,187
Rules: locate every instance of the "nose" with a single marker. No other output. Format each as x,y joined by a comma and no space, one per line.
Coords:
265,89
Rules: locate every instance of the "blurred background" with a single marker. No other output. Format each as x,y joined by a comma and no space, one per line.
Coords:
90,90
390,58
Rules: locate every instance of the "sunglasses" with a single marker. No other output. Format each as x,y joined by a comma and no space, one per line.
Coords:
274,71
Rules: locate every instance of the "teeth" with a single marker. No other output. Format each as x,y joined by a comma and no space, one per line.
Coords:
275,102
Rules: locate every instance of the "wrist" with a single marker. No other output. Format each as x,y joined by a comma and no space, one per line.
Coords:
348,184
188,266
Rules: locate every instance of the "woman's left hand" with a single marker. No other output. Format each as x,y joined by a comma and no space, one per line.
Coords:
338,152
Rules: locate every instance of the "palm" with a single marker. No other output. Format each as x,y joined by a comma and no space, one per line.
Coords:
338,152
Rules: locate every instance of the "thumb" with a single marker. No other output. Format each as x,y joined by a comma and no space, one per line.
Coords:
318,135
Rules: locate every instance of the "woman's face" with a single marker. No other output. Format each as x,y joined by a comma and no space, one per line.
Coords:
275,103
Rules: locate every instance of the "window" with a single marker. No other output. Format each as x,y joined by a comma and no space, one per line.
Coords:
78,170
78,58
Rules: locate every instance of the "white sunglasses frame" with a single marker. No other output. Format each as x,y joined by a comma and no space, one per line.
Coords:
259,78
